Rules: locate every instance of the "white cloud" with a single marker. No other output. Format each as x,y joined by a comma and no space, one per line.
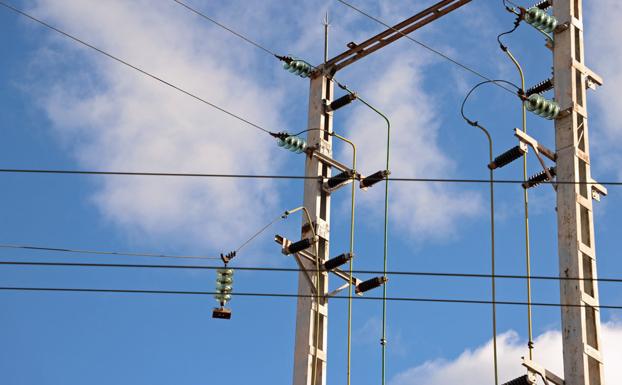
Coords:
604,55
111,117
474,367
423,210
114,118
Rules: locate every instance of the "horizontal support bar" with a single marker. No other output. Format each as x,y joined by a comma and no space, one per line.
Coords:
359,51
329,161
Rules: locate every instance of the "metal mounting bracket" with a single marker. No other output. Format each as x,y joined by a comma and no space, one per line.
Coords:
309,257
548,377
598,190
592,80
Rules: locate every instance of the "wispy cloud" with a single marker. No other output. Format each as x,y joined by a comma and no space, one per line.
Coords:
423,211
110,117
604,55
115,118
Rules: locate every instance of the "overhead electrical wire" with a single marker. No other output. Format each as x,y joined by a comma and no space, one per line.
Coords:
136,68
295,270
135,254
203,15
260,176
286,295
424,45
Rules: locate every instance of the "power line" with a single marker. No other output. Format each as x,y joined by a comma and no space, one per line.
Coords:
424,45
119,60
100,252
203,15
297,270
285,295
259,176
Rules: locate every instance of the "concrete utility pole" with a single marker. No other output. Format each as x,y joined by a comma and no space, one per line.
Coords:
317,200
583,362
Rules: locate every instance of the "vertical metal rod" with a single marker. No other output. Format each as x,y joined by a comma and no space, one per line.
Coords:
326,24
383,340
349,365
492,253
530,344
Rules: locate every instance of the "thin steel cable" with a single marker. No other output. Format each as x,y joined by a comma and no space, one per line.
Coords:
259,232
426,46
205,16
287,295
119,60
259,176
294,270
100,252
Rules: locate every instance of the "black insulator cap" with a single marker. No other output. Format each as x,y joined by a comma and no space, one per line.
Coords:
539,178
221,313
374,178
540,88
300,245
339,179
370,284
543,5
342,101
228,257
506,158
339,260
523,380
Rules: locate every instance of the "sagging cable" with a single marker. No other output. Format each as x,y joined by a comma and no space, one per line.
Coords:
492,221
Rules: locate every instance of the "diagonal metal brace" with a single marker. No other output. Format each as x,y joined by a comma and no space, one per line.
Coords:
538,149
284,242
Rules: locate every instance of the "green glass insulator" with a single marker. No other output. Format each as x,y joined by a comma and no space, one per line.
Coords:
222,297
541,20
539,105
223,287
224,280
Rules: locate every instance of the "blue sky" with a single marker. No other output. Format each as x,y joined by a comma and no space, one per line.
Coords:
66,107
